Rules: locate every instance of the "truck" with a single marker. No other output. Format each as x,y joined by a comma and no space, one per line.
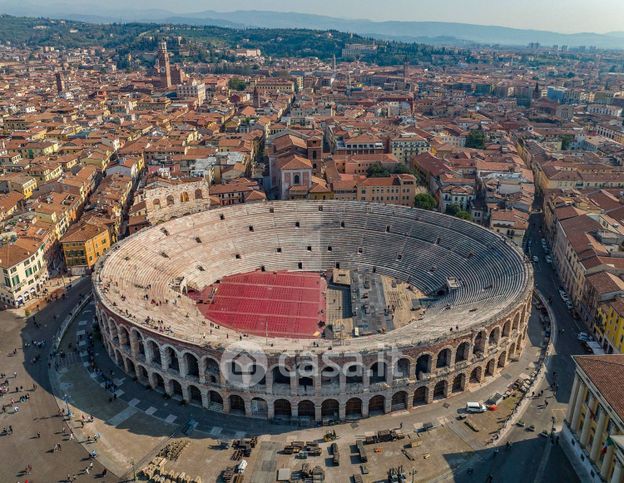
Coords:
362,451
335,454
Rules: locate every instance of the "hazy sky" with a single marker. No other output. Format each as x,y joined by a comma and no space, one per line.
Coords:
558,15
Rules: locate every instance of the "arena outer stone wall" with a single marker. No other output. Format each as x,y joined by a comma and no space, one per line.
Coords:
468,334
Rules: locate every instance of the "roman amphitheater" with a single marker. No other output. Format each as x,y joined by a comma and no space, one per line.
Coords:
313,311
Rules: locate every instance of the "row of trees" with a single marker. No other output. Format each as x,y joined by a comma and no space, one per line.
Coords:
426,201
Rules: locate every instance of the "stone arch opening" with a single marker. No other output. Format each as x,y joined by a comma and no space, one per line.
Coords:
330,409
172,357
184,197
304,371
443,359
237,405
170,200
113,333
420,396
140,346
459,383
378,372
192,365
259,408
479,343
195,396
330,377
502,359
281,375
354,408
130,369
176,389
423,365
463,352
377,405
507,329
354,373
403,367
305,409
516,321
155,353
198,194
489,368
124,338
282,409
142,374
215,401
399,401
475,375
212,370
494,336
440,390
159,382
512,349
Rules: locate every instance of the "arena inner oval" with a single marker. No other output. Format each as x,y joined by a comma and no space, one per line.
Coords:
303,310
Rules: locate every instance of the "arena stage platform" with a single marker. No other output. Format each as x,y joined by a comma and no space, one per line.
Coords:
272,304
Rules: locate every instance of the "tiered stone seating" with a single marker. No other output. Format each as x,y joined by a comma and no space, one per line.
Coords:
421,247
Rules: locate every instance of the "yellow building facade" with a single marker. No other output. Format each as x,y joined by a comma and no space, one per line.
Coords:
610,328
83,245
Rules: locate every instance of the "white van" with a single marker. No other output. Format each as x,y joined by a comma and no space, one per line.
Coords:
240,468
475,407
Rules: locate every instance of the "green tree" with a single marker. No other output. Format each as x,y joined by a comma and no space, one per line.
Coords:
425,201
566,140
476,139
456,211
237,84
377,171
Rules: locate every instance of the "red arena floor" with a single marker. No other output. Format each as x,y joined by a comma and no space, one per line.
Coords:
276,304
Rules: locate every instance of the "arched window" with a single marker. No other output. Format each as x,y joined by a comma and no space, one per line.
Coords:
296,179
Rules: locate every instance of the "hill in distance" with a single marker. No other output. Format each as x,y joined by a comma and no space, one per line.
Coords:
446,33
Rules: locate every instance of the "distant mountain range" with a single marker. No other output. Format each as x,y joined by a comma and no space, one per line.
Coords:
446,33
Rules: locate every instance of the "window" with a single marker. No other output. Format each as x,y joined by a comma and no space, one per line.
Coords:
279,250
299,265
329,249
297,224
237,256
309,248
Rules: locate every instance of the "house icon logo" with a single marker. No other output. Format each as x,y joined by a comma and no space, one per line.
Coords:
243,364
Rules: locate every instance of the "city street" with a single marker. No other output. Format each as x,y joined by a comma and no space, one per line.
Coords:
532,457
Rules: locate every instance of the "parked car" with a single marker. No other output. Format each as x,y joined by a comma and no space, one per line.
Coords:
475,407
548,259
535,259
583,336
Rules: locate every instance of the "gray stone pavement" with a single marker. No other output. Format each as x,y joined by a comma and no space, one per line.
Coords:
40,413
